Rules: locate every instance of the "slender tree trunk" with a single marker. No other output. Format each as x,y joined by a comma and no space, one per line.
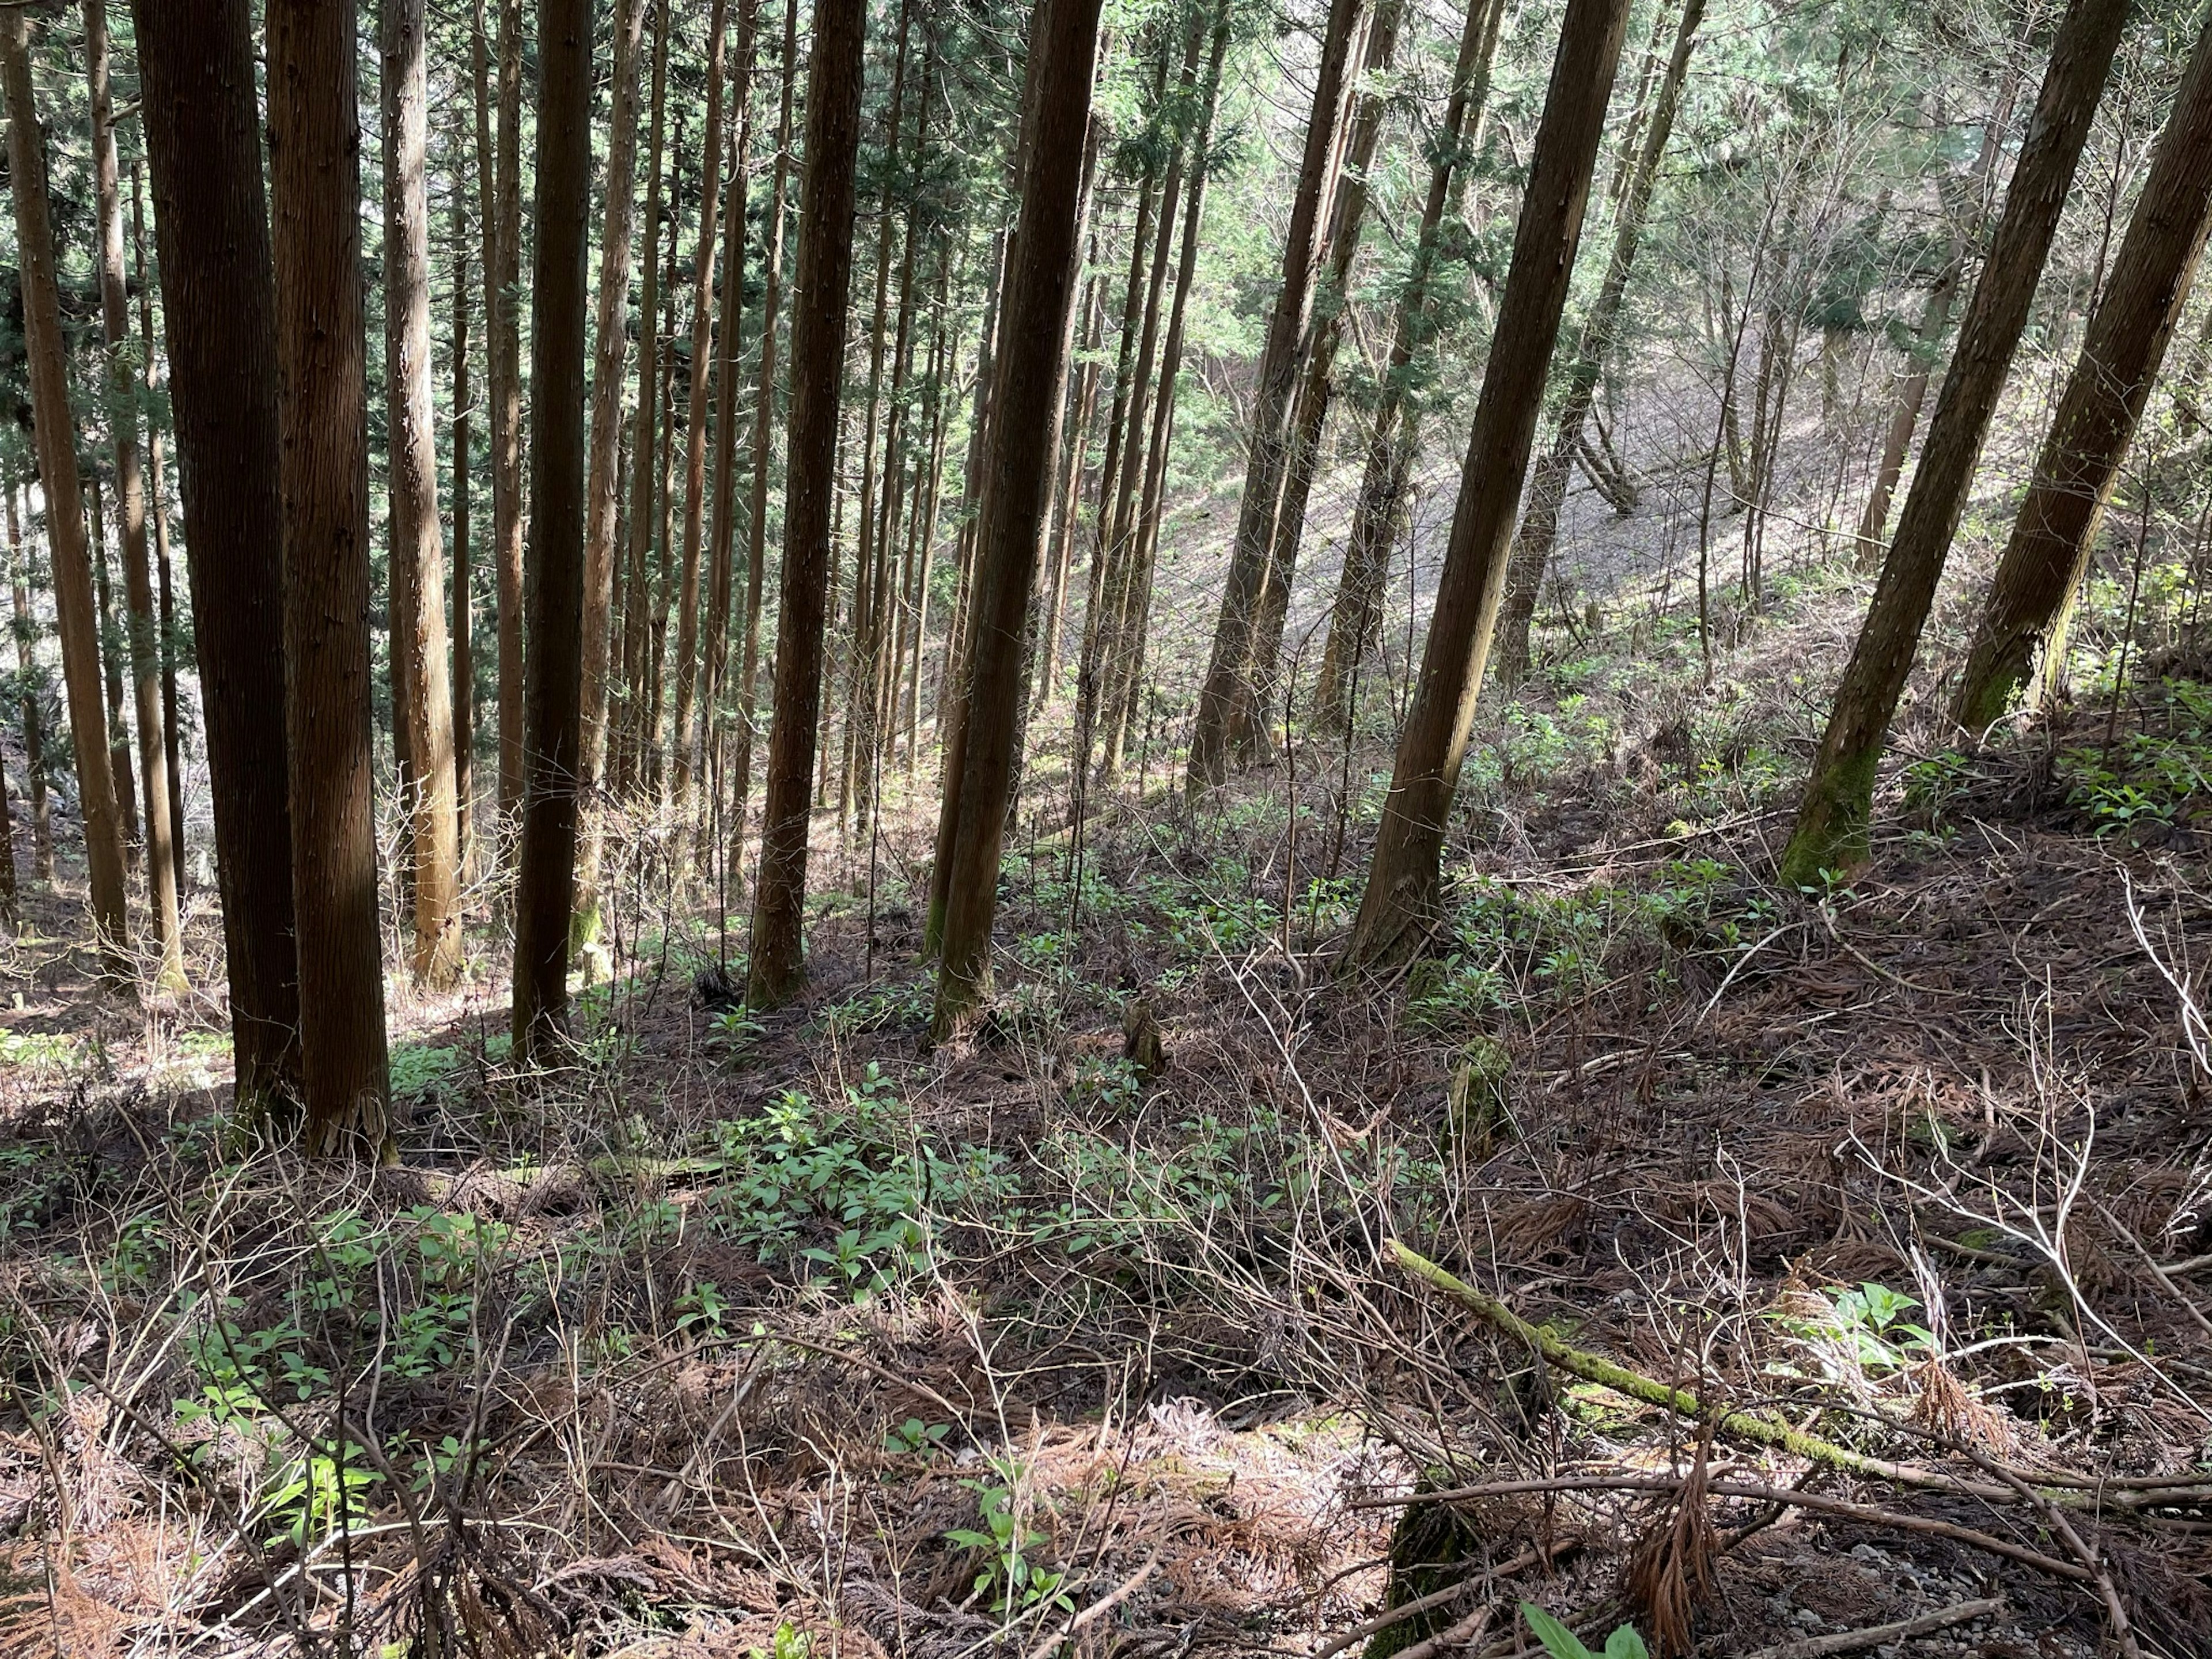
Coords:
1229,668
157,511
1317,382
1032,380
1833,818
1068,494
463,654
778,966
113,646
314,176
695,431
1356,620
645,474
1229,671
714,670
35,741
545,877
926,563
2021,644
1547,490
1125,626
418,629
1927,343
196,63
507,501
611,336
764,438
655,703
860,678
1402,881
55,431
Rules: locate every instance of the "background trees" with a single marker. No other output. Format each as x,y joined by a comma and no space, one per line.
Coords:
1289,298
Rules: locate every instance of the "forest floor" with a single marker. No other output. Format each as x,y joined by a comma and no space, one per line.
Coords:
791,1333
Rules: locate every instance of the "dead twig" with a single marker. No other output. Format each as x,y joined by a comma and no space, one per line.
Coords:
1875,1636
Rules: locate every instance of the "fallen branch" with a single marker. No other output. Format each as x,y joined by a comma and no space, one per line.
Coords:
1756,1492
1096,1610
1875,1636
1398,1615
1765,1432
1592,1368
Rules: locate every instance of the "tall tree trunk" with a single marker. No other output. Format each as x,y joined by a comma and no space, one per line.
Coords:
113,646
506,502
2020,643
695,431
655,666
418,629
1124,627
55,431
778,964
764,438
1547,490
1068,493
730,345
1356,620
860,678
545,875
645,475
1402,881
1108,581
157,511
464,631
315,178
926,563
611,336
35,741
1031,379
1833,818
1316,384
1229,667
195,65
1928,338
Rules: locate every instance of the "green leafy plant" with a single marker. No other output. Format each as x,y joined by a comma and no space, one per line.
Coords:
314,1492
1563,1643
916,1438
733,1035
1010,1576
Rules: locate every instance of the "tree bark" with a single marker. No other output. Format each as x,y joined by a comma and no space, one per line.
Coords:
1356,619
778,965
1833,817
611,336
463,651
113,646
1126,627
1402,882
2020,643
1316,384
729,347
196,63
35,742
507,503
695,431
157,511
763,440
1229,668
314,175
1031,379
545,875
418,629
1547,490
55,433
645,473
